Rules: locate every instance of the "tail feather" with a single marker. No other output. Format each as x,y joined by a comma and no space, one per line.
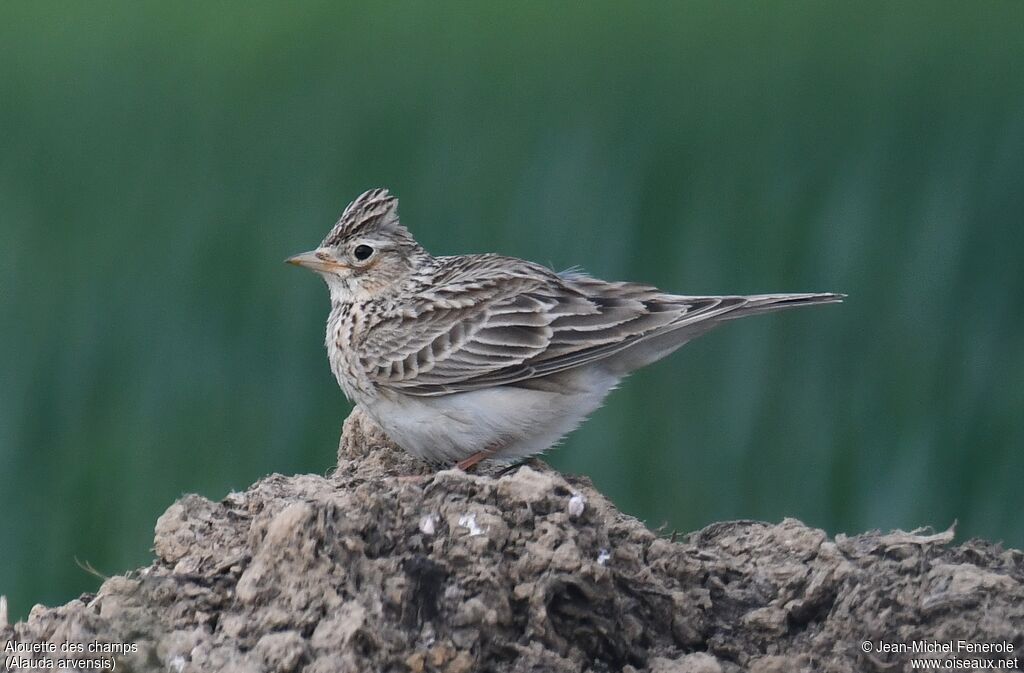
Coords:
713,311
766,303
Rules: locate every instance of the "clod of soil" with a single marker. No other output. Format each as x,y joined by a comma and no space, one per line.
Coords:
388,566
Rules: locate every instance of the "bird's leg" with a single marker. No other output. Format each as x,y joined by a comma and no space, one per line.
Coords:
468,463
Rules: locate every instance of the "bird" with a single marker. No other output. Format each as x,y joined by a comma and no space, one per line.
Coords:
482,357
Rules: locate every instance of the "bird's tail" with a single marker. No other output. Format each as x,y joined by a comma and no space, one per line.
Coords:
699,315
765,303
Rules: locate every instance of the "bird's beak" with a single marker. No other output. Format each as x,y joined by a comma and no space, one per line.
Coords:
316,260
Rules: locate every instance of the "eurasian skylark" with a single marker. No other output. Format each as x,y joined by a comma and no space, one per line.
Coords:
474,357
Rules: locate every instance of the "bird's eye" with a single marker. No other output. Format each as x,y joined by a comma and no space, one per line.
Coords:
362,252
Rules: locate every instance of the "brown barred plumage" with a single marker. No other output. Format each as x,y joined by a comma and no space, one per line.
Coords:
475,357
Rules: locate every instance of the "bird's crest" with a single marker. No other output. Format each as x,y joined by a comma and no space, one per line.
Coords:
374,211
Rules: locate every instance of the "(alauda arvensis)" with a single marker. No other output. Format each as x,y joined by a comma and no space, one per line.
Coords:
476,357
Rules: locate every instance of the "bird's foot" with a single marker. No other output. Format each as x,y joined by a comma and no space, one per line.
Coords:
467,464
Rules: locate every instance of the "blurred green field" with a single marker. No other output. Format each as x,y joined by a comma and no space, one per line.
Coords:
158,161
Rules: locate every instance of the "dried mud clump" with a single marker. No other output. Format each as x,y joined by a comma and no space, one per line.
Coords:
388,566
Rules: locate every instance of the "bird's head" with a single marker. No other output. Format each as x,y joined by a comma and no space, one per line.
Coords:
367,253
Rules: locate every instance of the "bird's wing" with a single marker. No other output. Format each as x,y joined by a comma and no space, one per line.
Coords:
497,321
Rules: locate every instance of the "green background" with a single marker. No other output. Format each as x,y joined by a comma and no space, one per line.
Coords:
158,161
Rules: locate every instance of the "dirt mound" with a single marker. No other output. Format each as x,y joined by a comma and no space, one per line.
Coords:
386,566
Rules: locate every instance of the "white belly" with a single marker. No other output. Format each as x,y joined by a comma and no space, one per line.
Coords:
513,422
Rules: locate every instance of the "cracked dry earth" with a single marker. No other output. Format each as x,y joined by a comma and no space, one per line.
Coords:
387,566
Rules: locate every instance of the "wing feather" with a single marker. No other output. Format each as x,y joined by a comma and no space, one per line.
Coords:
495,320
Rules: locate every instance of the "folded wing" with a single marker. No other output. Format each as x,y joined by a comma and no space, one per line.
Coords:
507,321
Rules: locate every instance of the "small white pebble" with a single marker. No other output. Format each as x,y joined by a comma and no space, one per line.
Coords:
602,557
177,664
428,524
577,503
468,521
